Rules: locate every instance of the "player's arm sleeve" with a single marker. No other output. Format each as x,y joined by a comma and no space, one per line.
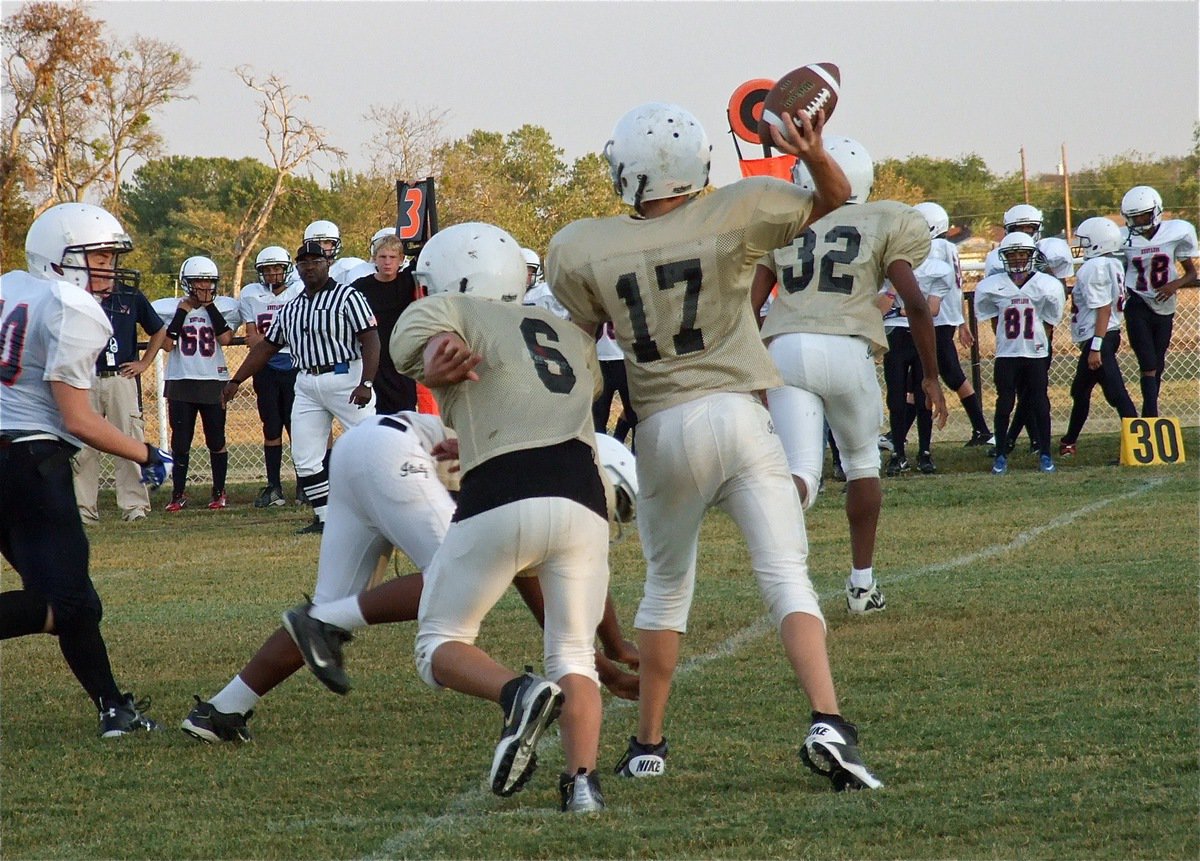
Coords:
275,333
1186,249
985,303
146,316
909,241
1098,289
359,313
567,286
420,322
781,211
78,331
1054,303
232,312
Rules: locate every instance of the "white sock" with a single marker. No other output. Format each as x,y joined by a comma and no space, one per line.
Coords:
344,613
235,697
862,578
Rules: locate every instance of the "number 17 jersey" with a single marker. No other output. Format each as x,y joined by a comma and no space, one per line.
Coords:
676,288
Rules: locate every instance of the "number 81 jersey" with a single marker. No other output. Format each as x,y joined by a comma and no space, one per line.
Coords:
1150,262
830,274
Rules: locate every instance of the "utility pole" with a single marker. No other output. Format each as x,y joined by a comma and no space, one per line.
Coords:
1066,175
1024,174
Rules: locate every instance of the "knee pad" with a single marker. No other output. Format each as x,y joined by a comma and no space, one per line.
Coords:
576,658
69,618
786,594
812,485
427,644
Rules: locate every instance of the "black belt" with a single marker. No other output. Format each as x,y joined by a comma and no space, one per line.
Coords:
107,373
319,369
394,423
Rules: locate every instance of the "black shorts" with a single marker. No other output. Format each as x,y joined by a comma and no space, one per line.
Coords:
275,391
41,534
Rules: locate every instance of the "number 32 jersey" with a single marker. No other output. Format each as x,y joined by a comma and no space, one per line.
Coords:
676,288
830,274
1023,312
537,380
1151,262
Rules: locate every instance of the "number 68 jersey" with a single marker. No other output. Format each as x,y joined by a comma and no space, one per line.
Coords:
1023,312
830,274
197,355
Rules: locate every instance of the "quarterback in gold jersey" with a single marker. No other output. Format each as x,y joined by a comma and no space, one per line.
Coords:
673,278
823,331
517,384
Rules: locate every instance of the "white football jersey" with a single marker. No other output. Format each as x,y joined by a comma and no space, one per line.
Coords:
1023,312
1055,252
934,277
258,305
1099,282
197,355
49,331
539,296
1150,263
951,312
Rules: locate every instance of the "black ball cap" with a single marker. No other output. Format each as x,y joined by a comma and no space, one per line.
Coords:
310,248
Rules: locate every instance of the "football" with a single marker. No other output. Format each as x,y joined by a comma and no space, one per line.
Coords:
809,89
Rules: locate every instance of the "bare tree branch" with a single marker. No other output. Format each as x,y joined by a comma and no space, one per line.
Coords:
291,141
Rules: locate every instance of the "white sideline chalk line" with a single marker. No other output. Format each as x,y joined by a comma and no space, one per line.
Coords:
470,801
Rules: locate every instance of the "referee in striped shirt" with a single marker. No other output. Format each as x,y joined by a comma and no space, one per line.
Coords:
332,334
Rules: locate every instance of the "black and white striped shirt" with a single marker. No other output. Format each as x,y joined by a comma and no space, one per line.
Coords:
322,329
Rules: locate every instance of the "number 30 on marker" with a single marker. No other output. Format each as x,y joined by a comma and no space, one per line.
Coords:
1150,442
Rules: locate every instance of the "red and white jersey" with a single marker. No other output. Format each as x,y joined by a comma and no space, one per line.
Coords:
197,355
951,312
49,331
1150,262
258,305
1055,257
1100,282
1023,312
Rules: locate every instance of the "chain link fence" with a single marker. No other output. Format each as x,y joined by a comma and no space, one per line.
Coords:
1180,395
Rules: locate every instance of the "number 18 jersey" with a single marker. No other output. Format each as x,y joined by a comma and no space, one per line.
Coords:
676,288
1150,261
830,274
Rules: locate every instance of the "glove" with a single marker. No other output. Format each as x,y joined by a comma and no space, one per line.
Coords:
154,471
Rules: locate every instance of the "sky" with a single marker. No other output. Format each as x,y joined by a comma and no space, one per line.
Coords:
934,78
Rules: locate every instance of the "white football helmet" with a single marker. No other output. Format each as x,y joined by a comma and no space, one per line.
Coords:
1012,247
1098,236
325,231
58,241
1137,201
935,216
273,255
380,234
621,467
340,268
533,263
854,160
474,258
1023,215
196,269
658,150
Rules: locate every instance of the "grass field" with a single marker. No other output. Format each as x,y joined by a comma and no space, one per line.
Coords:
1031,692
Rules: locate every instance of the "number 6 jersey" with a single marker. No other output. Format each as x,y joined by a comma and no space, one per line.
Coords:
676,288
830,274
537,380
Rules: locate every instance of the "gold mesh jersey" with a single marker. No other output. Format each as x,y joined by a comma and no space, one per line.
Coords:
537,380
676,288
830,274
